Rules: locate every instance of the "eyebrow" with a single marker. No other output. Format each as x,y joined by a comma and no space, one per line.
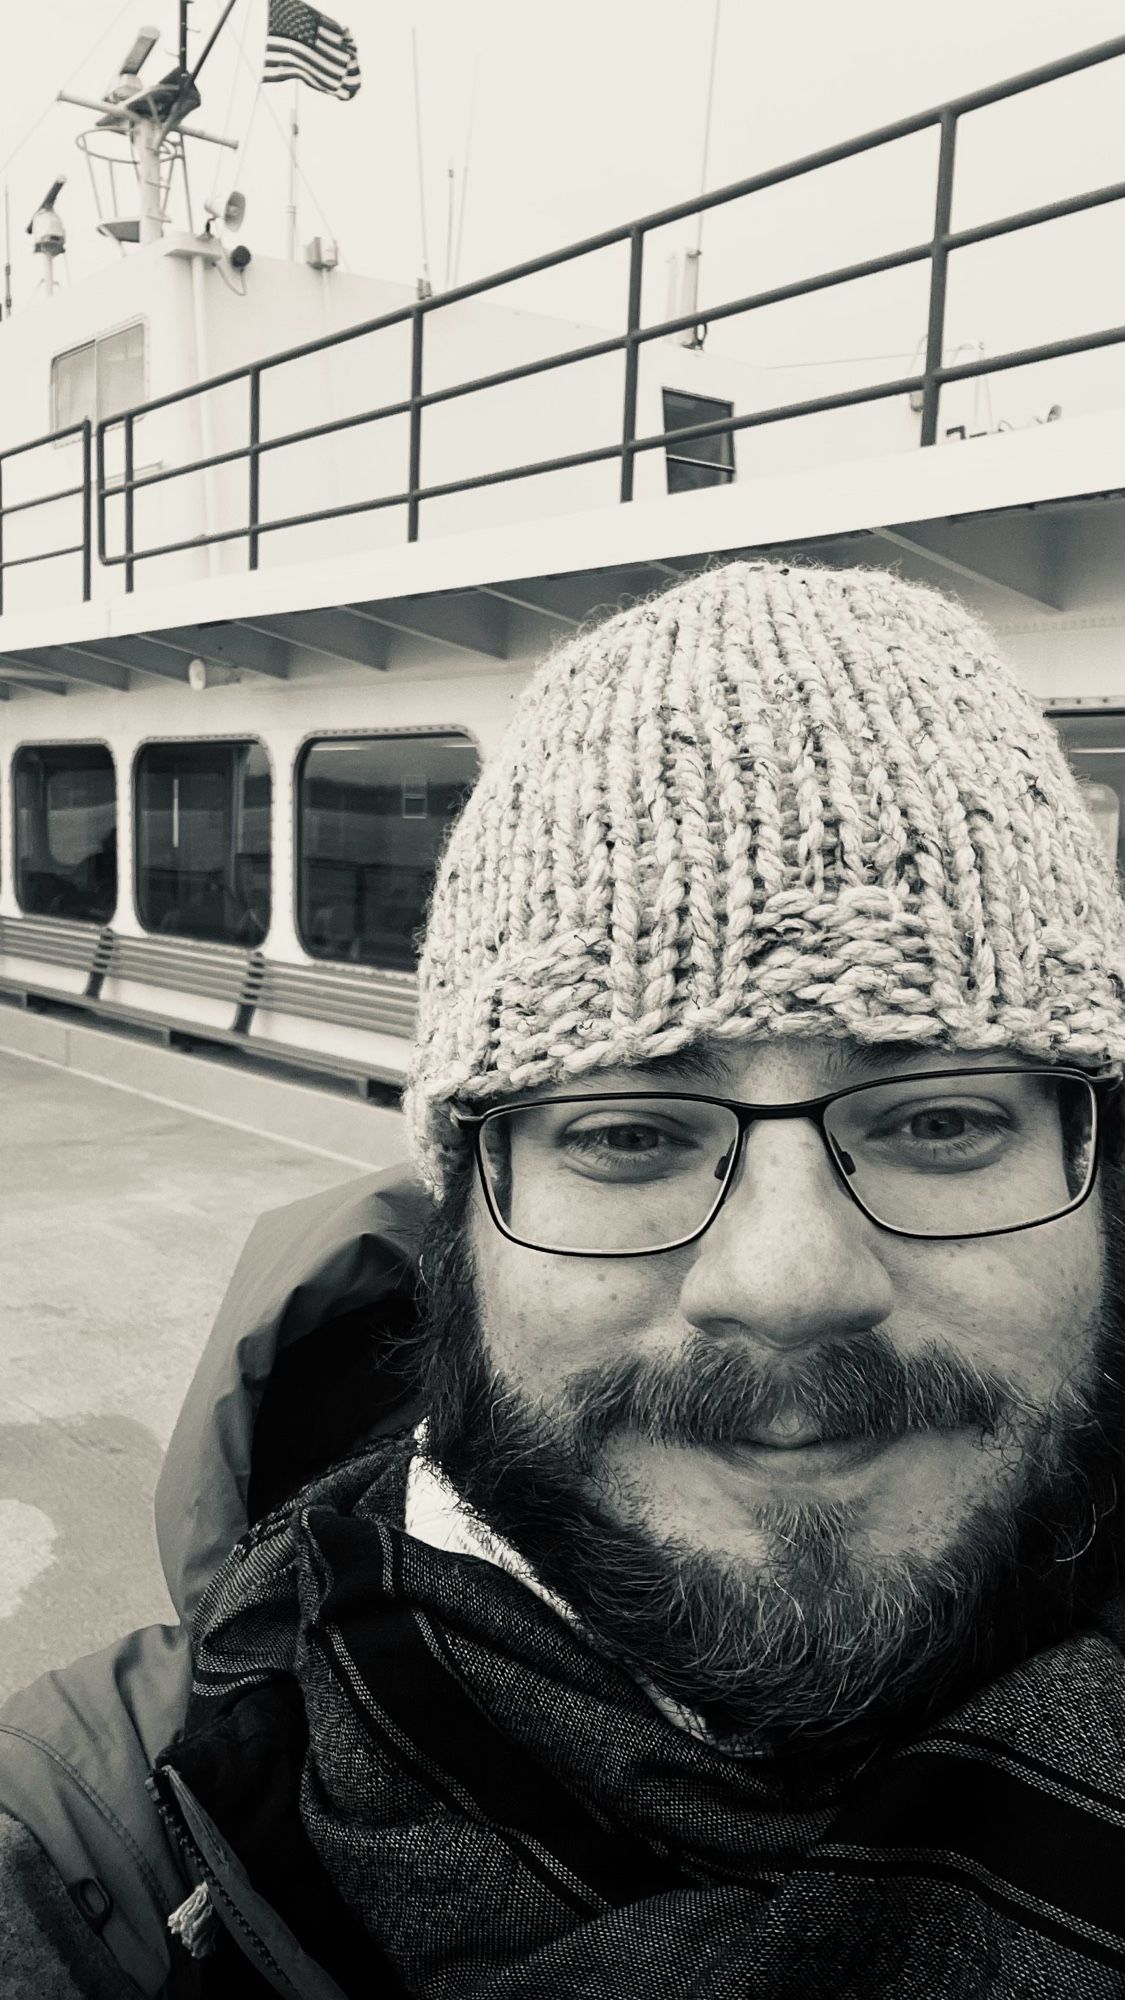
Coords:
699,1062
850,1061
845,1062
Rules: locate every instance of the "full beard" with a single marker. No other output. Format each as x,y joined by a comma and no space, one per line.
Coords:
818,1648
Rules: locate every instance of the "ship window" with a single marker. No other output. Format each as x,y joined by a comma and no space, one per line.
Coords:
66,831
203,840
373,813
1095,749
100,379
705,461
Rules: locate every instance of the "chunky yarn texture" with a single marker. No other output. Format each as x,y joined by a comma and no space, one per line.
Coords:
771,801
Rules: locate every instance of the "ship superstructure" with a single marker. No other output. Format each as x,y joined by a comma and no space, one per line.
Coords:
283,544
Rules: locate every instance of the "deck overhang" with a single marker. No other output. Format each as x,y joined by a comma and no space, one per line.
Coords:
982,517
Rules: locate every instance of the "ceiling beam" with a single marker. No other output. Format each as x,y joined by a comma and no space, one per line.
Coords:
137,656
465,621
333,631
64,663
36,682
523,600
1016,569
235,645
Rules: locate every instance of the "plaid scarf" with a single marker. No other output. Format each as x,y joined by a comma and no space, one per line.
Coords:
505,1813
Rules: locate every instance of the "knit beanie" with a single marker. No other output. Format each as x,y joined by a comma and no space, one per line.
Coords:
771,801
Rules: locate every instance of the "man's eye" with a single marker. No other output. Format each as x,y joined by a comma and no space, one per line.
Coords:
942,1128
626,1141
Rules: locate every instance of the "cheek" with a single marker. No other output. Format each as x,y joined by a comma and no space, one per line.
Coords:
546,1318
1026,1305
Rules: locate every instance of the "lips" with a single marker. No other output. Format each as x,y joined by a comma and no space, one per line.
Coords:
802,1458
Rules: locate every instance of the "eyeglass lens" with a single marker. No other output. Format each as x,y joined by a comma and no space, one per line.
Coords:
961,1155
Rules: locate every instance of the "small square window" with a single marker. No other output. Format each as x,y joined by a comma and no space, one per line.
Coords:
73,387
100,379
701,461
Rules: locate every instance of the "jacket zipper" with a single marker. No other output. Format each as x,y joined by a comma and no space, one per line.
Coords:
244,1936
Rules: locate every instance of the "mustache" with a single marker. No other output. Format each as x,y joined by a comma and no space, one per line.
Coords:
719,1392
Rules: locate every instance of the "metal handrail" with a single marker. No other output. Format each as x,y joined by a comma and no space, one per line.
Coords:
82,491
928,382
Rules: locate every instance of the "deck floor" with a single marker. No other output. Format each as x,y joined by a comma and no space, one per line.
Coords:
122,1222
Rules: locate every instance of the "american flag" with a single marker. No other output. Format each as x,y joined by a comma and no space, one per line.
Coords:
304,44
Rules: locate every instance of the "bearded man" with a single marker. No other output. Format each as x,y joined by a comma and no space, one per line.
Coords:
739,1611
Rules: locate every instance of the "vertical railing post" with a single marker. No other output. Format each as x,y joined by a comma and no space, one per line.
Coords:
632,361
255,460
939,261
414,478
129,501
101,489
87,510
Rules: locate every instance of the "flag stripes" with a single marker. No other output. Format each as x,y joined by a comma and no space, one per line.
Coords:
310,48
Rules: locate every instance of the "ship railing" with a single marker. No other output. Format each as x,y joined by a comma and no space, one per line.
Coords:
82,491
925,384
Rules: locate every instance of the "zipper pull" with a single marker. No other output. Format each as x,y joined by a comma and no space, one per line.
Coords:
194,1923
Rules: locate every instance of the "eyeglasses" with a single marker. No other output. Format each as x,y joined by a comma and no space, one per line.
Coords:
941,1155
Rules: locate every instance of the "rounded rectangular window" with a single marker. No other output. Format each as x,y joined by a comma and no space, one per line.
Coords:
1094,742
203,840
373,814
66,831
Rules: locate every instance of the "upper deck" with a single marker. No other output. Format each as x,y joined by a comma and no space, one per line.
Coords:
467,422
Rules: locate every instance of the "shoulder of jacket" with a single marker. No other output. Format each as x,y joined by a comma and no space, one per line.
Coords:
76,1748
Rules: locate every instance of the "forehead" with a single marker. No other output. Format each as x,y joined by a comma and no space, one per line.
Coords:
775,1068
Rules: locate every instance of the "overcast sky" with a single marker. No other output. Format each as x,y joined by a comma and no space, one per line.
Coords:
572,117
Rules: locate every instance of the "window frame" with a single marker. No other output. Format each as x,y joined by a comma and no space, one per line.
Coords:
725,469
405,731
12,819
202,741
1074,711
64,354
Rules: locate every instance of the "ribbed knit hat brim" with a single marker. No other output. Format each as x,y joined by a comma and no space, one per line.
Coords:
771,801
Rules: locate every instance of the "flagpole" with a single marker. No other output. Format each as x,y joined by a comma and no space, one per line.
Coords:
294,132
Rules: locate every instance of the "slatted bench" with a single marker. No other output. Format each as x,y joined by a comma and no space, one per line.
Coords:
348,996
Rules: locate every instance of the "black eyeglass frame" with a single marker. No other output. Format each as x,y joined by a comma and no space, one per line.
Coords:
815,1109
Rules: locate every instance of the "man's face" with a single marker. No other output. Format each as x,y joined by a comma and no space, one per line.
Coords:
628,1425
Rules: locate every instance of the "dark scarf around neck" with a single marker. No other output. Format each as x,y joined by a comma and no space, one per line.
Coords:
504,1813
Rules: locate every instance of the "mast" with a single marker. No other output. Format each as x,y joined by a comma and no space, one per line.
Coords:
150,116
147,137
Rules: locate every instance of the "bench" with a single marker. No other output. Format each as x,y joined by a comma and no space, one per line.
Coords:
347,996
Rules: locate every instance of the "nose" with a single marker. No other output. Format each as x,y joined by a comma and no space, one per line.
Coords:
789,1259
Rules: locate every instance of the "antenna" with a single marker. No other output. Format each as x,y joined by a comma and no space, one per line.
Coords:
425,288
695,335
465,169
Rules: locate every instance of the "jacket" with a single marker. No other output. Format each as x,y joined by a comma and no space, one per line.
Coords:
286,1385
